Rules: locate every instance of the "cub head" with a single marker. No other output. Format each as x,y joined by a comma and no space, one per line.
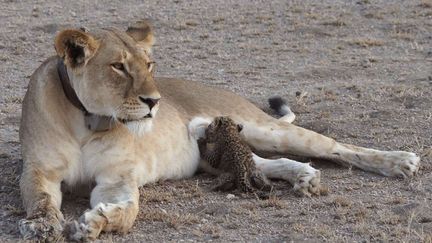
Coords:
220,127
112,73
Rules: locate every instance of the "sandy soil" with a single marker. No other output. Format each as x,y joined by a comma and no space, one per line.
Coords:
358,71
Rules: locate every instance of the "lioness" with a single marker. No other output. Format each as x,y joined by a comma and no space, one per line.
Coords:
95,114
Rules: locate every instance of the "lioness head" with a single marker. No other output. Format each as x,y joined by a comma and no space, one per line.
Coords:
112,74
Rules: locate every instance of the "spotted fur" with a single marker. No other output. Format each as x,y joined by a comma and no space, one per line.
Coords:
225,151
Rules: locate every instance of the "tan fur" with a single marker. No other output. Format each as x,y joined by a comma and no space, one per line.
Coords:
57,146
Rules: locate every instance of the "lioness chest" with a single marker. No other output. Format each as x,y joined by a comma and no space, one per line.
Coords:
166,152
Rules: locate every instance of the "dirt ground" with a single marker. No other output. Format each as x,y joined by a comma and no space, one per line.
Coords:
357,71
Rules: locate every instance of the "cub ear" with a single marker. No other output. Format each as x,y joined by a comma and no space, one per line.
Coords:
75,47
142,32
239,127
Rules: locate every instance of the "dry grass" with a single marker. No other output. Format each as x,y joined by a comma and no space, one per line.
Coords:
300,228
425,4
427,238
273,201
336,23
12,210
366,42
403,35
324,231
340,201
390,219
155,196
172,219
374,15
211,229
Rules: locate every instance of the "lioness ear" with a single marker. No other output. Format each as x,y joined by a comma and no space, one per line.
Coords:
142,32
75,47
239,127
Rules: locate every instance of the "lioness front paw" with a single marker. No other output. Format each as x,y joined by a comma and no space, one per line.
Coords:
89,225
400,163
41,229
307,182
80,231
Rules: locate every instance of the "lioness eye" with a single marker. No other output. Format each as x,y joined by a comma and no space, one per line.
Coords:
118,66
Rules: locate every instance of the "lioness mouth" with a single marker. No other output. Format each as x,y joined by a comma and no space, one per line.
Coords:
124,121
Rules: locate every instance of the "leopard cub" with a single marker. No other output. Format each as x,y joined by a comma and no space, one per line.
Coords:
229,157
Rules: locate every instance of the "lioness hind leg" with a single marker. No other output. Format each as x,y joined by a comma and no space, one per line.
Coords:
281,137
114,208
42,200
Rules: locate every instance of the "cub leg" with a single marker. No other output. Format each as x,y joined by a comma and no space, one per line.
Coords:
241,175
260,181
302,176
281,137
225,182
114,208
42,199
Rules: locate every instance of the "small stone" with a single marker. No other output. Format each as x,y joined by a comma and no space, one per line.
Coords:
230,196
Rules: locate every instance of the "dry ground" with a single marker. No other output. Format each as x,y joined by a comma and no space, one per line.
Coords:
358,71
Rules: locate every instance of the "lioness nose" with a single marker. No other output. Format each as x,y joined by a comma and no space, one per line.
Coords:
149,101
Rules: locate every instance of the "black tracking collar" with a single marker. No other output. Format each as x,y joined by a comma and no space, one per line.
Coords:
92,121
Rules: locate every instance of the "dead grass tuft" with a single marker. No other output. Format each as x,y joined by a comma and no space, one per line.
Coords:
15,211
191,23
397,200
172,219
403,35
340,201
390,219
367,42
336,23
156,196
374,15
273,201
213,230
152,215
178,220
425,4
300,228
361,228
360,214
249,206
427,238
323,230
